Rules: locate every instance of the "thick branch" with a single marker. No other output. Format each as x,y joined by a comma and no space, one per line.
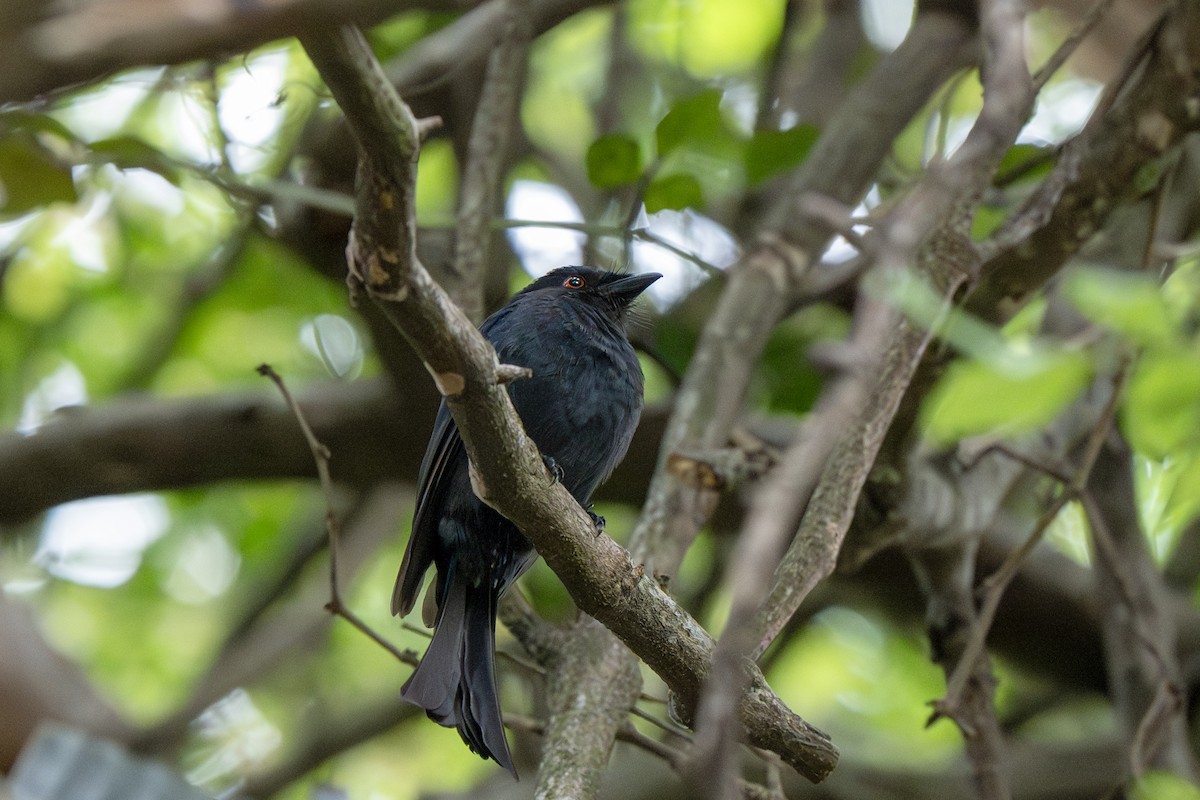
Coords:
585,716
930,229
85,41
145,445
1139,119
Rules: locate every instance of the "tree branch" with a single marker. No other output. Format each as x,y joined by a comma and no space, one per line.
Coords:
487,153
1140,640
140,445
509,472
84,42
1139,119
929,229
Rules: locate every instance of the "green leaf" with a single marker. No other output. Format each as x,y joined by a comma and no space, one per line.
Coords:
696,122
1009,395
1149,176
988,219
31,177
1024,162
675,192
1161,412
1161,785
1184,501
1129,303
614,160
18,119
130,152
772,152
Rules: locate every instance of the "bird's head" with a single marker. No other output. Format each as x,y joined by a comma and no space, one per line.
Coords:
610,292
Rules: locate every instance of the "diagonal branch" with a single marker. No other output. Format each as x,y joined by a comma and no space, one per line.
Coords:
928,229
1140,119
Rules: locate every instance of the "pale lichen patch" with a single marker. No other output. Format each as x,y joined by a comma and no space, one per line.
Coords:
477,484
1155,130
448,383
376,274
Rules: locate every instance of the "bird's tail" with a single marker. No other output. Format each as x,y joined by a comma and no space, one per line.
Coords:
456,680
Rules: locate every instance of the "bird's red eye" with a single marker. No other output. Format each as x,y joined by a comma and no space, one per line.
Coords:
573,282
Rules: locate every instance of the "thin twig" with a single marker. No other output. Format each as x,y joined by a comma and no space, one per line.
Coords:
321,456
674,730
616,231
1128,572
1070,44
1148,738
1010,452
993,588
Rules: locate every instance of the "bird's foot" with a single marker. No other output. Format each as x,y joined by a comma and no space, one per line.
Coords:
556,472
597,520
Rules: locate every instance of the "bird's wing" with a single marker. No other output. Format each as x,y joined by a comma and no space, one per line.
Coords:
445,446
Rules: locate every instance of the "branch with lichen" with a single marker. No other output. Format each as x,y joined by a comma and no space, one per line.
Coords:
508,472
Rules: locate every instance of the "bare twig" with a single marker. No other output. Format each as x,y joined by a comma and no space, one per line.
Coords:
595,229
1140,638
1071,43
321,456
993,587
1142,115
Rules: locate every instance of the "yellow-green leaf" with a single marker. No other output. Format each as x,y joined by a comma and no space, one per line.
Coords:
675,192
1009,395
31,177
614,160
1159,785
772,152
1161,412
1130,303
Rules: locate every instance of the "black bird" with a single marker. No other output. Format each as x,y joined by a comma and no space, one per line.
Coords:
580,407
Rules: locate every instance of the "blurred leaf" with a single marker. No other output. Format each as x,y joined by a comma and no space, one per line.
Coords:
1148,176
31,176
614,160
17,119
675,192
437,183
1024,162
1009,395
1184,501
706,37
696,122
1161,411
770,153
781,382
987,220
391,38
1160,785
131,152
1130,303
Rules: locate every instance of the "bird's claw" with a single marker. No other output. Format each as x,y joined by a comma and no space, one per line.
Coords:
597,520
556,472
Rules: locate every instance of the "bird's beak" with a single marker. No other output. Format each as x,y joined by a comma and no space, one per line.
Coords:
626,289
